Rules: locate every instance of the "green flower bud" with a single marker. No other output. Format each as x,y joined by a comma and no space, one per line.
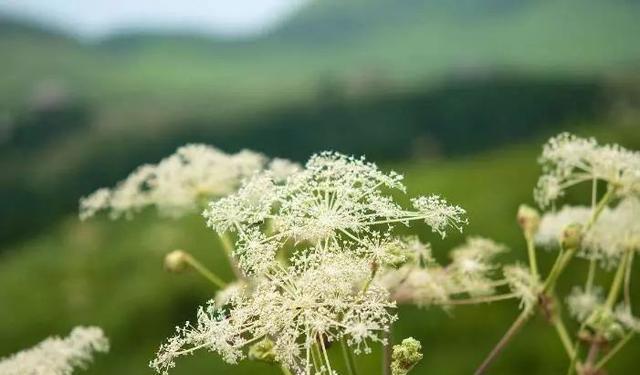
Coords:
397,255
405,356
571,237
176,261
604,321
529,219
262,351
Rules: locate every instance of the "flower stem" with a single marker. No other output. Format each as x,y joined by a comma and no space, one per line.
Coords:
204,271
563,260
617,281
531,250
561,329
374,270
614,350
524,316
627,281
228,247
285,370
388,353
477,300
348,357
558,267
315,355
599,207
591,275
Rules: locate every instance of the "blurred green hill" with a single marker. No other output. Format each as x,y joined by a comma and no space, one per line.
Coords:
361,43
390,79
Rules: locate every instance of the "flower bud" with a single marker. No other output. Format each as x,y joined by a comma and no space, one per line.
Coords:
262,351
176,261
405,356
529,219
571,237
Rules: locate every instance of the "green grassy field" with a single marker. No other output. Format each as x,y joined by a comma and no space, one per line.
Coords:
110,274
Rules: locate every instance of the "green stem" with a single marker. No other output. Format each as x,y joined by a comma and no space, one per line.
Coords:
316,357
227,245
563,260
204,271
627,281
531,250
388,352
574,361
524,316
477,300
617,282
348,357
285,370
614,350
561,263
599,207
591,275
561,329
374,270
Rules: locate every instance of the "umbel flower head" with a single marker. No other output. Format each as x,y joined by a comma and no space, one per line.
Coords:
57,356
183,182
615,231
523,284
335,219
421,280
335,199
568,160
582,303
297,310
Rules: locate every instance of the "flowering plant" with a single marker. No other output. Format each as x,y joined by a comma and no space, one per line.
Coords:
319,261
605,233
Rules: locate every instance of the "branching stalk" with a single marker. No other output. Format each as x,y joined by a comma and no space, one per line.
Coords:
531,250
561,329
348,357
614,350
388,353
617,281
227,245
204,271
523,318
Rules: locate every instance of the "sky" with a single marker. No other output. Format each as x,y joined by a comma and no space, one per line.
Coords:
92,19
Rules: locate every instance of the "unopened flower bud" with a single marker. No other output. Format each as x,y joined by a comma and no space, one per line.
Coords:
176,261
528,219
571,237
405,356
262,351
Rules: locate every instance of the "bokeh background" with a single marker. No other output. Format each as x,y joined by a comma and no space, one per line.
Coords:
456,95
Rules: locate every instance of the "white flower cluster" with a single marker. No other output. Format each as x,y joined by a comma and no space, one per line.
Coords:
626,319
183,182
301,309
583,303
568,160
607,232
524,285
57,356
615,231
335,199
590,309
421,280
335,218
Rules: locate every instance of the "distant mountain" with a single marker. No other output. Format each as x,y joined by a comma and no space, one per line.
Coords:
405,43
